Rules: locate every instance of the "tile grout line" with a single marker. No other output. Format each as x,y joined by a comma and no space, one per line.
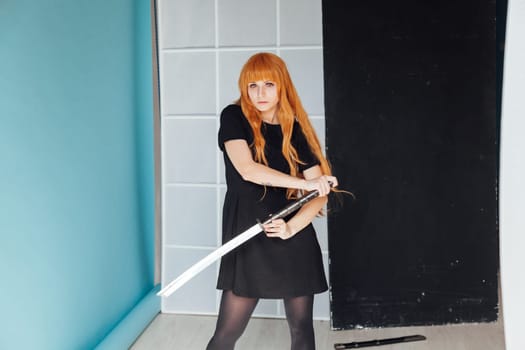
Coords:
278,26
218,228
241,48
278,51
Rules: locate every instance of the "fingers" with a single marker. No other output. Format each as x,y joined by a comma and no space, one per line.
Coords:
324,188
277,228
323,184
332,180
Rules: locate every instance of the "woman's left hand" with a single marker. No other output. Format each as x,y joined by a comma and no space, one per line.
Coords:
278,228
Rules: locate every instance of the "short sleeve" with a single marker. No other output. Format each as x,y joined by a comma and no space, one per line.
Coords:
303,149
234,126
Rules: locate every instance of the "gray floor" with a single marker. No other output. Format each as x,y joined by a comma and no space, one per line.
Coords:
168,331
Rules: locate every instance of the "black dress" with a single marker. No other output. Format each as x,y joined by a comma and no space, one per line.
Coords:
265,267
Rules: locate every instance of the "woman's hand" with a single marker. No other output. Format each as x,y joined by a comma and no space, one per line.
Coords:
278,228
322,184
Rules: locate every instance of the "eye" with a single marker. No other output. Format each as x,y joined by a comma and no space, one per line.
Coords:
252,86
270,84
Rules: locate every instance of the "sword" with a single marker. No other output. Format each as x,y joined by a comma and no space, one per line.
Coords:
232,244
379,342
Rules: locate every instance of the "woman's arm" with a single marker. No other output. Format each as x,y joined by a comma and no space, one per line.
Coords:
305,215
241,157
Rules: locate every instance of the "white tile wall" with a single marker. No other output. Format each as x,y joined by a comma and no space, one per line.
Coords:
188,140
300,22
190,216
203,45
187,23
319,126
306,69
188,87
247,23
321,228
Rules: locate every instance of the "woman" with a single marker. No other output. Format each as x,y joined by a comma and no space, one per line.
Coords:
271,156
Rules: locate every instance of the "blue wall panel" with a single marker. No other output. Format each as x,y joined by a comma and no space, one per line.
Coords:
76,244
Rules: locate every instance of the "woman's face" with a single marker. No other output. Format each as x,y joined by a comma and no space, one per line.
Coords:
263,95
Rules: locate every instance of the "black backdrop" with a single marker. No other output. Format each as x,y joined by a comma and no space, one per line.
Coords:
412,130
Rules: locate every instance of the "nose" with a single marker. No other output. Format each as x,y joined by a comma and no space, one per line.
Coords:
261,91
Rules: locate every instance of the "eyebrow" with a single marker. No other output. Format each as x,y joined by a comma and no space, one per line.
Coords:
265,81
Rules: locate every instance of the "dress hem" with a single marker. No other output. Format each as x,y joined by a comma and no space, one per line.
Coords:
271,296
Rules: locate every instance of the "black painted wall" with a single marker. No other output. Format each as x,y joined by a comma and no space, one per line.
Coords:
412,129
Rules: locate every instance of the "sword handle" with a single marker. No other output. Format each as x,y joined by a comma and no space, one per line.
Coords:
292,207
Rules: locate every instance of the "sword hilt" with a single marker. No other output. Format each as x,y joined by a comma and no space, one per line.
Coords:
292,206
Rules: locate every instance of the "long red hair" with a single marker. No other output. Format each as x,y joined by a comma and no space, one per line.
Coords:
267,66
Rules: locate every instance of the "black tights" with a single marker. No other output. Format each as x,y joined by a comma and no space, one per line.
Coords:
235,312
299,316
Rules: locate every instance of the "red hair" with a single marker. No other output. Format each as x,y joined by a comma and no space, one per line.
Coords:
267,66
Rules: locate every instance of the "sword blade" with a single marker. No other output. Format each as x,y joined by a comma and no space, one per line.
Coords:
209,259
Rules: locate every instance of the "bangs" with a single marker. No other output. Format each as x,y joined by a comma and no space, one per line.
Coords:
259,67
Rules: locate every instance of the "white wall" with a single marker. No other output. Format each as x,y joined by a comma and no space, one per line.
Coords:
512,200
203,45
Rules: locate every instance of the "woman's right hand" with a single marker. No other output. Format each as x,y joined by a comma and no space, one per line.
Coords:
323,184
